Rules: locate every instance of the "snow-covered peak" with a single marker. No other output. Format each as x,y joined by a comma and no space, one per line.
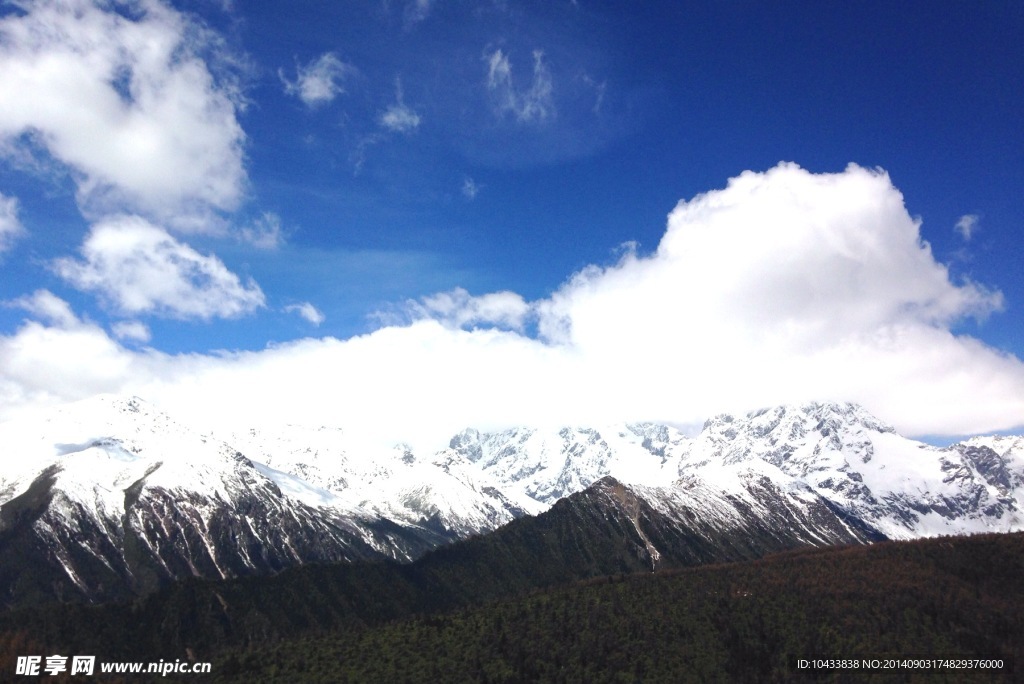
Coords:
775,434
107,427
819,416
548,464
901,487
99,447
834,415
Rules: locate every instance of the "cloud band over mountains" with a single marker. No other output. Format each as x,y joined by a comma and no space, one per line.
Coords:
784,286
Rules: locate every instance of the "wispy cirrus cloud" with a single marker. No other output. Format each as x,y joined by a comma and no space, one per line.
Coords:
470,188
599,89
416,11
265,232
400,119
532,104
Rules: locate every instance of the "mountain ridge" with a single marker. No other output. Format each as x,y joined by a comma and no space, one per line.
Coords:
111,498
607,530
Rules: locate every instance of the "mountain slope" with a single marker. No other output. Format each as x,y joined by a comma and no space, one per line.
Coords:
119,500
608,529
443,492
902,488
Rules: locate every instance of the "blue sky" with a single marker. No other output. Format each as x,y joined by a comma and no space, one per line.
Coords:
207,193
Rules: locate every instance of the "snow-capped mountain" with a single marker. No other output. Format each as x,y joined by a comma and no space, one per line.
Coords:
902,488
548,465
110,497
899,487
442,492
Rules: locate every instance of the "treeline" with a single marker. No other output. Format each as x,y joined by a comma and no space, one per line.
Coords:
739,622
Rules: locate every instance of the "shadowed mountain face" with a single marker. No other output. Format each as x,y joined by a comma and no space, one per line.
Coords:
610,529
110,498
56,547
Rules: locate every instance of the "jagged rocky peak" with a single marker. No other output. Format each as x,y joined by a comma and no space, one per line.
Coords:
825,418
1009,447
722,419
659,440
406,454
834,415
654,432
468,444
446,459
989,464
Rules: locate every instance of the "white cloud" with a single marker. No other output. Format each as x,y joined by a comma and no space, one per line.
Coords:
400,119
813,257
136,331
264,233
532,105
65,360
458,309
470,189
783,286
320,81
127,101
10,227
307,311
140,269
967,226
789,285
47,306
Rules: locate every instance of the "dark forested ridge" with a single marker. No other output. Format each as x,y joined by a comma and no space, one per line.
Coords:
567,596
745,622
